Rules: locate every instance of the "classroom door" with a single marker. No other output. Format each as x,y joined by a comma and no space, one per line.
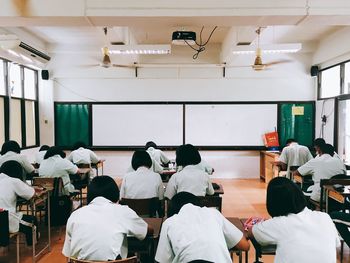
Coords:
297,123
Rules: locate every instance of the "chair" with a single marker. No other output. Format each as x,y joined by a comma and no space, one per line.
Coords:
126,260
210,201
145,207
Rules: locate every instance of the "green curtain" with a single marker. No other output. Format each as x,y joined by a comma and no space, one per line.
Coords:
299,127
72,124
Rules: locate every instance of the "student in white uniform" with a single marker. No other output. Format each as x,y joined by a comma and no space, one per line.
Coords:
293,155
190,178
82,155
323,167
11,151
318,142
143,182
39,157
54,165
197,233
203,165
12,186
156,154
301,235
99,230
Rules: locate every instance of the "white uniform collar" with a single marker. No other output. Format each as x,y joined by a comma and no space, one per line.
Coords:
10,153
150,149
100,201
3,176
293,143
142,168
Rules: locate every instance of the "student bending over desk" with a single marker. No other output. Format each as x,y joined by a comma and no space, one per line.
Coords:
39,157
197,233
156,154
301,235
99,230
190,178
82,155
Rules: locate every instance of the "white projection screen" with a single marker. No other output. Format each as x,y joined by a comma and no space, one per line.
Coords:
229,125
134,125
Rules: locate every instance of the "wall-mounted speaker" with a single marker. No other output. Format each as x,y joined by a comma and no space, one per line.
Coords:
314,71
45,74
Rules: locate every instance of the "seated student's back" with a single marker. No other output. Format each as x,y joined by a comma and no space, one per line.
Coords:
143,182
301,235
156,154
39,157
82,155
99,230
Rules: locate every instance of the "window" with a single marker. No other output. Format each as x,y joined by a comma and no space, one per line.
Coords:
15,121
330,82
29,84
344,130
2,78
347,78
15,80
2,121
30,123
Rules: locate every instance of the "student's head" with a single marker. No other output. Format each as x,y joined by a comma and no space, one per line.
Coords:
13,169
187,154
103,186
150,144
179,200
289,141
327,149
284,197
10,146
318,143
44,148
141,158
78,145
54,150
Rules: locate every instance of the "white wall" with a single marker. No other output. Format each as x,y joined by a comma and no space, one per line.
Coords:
325,107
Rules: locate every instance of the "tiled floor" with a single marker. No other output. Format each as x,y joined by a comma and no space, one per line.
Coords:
242,198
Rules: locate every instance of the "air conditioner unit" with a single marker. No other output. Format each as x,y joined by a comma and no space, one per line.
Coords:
19,50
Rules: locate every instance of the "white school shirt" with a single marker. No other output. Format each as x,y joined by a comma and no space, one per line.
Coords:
197,233
142,183
156,167
309,236
191,180
323,167
83,156
203,165
21,159
39,157
295,155
158,155
99,231
10,188
56,166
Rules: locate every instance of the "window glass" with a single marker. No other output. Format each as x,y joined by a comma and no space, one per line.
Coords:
29,84
344,130
15,121
2,78
330,82
30,123
15,80
347,78
2,122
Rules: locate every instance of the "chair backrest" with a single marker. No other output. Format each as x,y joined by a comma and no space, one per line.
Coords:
83,165
51,183
125,260
210,201
4,228
143,207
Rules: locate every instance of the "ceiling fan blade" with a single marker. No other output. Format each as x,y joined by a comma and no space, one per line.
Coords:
123,66
21,6
89,66
278,62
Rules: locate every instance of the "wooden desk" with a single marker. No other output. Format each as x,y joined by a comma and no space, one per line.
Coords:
267,168
336,195
238,223
98,165
219,191
167,173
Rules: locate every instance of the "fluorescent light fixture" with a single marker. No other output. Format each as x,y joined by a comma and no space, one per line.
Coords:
268,48
140,50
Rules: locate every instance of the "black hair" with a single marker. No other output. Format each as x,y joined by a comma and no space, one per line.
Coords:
44,148
10,146
78,145
179,200
290,140
54,150
103,186
318,142
327,148
141,158
187,154
284,197
150,144
13,169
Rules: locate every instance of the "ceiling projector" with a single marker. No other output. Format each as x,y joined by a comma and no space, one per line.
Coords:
184,38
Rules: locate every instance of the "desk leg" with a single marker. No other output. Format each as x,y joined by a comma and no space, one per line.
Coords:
327,197
49,220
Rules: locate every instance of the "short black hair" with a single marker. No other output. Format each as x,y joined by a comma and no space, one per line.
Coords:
179,200
54,150
44,148
141,158
290,140
187,154
103,186
284,197
10,146
78,145
327,148
150,144
318,142
13,169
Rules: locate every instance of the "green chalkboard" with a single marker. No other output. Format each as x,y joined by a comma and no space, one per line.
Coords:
299,127
71,124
